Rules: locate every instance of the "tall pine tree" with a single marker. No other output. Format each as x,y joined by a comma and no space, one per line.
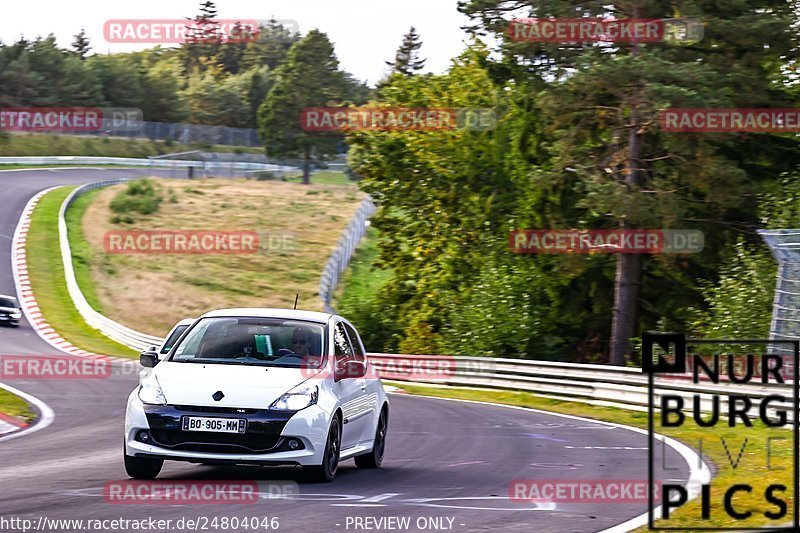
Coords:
406,60
310,77
80,46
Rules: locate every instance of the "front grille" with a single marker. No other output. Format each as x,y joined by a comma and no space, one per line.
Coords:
197,441
209,409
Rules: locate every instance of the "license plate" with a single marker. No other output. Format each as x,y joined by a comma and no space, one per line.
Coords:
213,425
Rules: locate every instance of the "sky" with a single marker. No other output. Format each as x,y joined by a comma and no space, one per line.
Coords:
365,33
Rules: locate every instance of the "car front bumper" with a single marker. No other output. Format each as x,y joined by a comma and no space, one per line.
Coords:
7,319
265,442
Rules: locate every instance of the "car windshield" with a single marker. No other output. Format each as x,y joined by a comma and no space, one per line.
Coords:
8,302
253,341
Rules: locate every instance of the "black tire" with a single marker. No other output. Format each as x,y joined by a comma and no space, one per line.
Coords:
374,458
325,472
142,468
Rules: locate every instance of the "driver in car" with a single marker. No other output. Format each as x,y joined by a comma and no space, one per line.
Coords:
301,342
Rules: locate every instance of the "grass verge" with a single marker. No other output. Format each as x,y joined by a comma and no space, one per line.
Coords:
82,253
752,469
362,277
49,285
13,405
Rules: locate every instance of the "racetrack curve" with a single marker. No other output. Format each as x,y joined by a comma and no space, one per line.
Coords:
447,460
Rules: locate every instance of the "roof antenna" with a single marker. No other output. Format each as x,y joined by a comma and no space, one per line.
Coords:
297,297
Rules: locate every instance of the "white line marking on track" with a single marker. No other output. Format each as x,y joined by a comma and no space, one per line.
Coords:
467,463
604,448
46,414
698,475
381,497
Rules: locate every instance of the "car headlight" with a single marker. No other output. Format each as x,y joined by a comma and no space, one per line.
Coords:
150,392
16,315
296,399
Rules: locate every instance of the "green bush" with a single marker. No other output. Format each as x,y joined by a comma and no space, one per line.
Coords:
141,196
119,219
740,304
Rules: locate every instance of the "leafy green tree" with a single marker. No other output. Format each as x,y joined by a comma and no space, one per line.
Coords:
232,49
121,79
19,85
440,194
310,77
254,84
270,48
355,91
740,303
79,85
165,102
215,102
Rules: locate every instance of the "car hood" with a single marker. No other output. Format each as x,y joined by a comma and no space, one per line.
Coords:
251,387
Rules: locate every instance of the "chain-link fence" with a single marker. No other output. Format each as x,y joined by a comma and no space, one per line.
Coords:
785,246
180,133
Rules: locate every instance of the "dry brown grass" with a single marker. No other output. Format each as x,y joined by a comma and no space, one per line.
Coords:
151,292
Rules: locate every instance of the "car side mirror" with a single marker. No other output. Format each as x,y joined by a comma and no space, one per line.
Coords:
148,359
350,369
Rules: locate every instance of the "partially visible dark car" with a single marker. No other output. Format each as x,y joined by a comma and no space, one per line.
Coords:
10,311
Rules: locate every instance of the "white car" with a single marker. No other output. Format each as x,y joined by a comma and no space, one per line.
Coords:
10,311
259,387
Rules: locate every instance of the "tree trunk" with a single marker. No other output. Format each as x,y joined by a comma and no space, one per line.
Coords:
307,166
627,282
629,267
626,299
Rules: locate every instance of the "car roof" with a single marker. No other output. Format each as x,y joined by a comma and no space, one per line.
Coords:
186,322
269,312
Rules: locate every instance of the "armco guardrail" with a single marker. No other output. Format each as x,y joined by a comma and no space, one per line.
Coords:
622,387
340,258
114,330
152,163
